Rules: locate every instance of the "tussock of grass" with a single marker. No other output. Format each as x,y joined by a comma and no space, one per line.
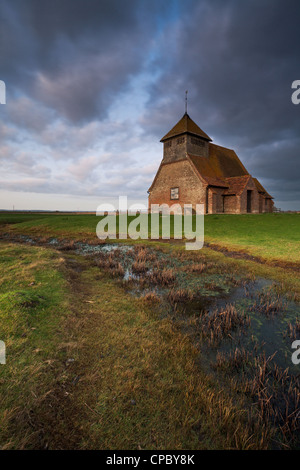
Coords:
198,268
166,277
180,295
293,329
151,297
268,304
219,324
274,391
139,267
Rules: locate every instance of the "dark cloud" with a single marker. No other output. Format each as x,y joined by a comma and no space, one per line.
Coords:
238,60
73,55
67,64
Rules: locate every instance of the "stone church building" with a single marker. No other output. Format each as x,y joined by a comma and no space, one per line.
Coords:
196,171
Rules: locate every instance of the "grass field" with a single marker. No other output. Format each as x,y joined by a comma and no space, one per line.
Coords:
32,308
91,364
269,236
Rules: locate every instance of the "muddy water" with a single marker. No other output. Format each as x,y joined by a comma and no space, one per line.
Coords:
266,333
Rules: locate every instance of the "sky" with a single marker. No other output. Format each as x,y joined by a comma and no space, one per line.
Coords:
93,85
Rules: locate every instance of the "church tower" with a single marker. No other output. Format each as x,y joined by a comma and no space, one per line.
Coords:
185,138
196,171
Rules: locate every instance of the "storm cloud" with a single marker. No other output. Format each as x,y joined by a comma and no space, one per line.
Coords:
93,85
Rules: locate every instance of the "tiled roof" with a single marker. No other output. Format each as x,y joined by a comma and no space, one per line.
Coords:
237,184
216,182
221,163
186,125
223,169
260,188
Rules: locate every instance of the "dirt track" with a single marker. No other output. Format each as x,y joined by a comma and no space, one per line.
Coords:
242,255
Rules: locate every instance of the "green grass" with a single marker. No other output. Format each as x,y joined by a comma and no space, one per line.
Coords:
32,305
268,236
122,351
137,383
19,217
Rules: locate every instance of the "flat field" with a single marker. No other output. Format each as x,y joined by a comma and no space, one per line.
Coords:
143,345
268,236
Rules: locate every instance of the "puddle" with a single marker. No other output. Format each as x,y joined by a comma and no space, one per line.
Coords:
265,333
85,248
129,275
53,241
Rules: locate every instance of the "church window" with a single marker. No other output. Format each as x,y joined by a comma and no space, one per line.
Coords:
174,193
196,141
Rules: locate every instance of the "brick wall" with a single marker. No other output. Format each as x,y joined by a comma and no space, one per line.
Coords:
180,174
215,200
177,175
269,205
254,198
197,146
230,204
176,148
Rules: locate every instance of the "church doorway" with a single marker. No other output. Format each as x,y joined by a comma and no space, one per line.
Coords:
249,200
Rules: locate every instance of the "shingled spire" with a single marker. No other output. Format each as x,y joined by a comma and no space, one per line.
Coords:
186,126
185,138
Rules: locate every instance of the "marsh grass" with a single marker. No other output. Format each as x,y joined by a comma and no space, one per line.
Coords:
235,361
268,304
293,330
139,267
180,295
68,246
151,297
198,268
220,324
273,390
110,265
166,277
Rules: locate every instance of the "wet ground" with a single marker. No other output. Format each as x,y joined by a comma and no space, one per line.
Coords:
242,326
270,314
199,286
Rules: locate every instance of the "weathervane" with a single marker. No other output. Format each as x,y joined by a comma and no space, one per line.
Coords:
186,93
